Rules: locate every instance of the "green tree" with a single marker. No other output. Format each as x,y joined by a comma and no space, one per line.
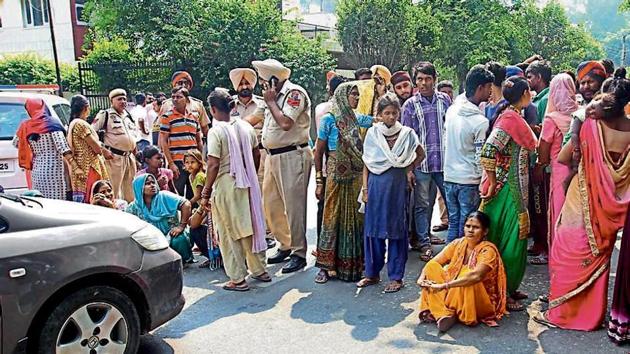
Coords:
32,69
473,32
211,37
547,31
393,33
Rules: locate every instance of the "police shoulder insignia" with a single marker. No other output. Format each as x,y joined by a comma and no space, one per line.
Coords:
295,98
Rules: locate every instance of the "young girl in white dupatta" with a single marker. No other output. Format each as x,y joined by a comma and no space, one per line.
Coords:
391,151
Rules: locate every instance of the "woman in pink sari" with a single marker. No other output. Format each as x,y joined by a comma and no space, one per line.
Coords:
594,211
561,105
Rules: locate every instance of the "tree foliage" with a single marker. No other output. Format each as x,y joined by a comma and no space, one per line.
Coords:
211,37
458,34
388,32
31,69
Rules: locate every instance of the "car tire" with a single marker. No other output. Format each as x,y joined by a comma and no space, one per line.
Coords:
112,320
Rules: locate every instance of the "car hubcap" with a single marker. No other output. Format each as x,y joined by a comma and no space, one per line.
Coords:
94,328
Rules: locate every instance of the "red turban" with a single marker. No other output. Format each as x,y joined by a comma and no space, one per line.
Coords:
593,68
181,75
400,76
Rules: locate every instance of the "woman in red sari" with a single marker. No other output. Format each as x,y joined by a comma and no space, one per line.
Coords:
594,211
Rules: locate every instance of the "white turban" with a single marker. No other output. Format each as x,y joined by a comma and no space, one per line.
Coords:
271,67
238,74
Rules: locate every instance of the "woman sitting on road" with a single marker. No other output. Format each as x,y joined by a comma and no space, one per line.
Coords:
160,209
102,194
466,281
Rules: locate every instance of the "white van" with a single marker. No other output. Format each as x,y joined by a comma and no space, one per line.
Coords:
13,178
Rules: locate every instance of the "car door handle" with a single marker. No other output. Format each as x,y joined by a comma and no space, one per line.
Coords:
17,273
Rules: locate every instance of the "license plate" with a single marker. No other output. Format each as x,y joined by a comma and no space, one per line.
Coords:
7,166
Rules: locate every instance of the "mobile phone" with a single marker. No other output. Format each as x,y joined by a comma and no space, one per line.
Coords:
273,81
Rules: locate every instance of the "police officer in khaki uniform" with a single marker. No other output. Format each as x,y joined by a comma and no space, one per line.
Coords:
195,106
246,103
119,143
287,119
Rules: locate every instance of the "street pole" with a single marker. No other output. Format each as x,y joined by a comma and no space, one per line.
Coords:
54,46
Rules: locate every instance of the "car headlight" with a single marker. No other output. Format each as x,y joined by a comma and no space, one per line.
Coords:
150,238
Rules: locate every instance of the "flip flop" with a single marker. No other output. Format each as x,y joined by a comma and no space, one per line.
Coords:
541,318
322,277
426,254
389,289
515,306
242,286
519,295
365,282
441,227
264,277
539,260
437,241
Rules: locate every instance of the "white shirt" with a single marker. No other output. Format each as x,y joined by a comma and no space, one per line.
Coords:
140,114
465,134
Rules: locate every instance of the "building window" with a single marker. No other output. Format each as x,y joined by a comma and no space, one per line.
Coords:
79,5
35,12
318,6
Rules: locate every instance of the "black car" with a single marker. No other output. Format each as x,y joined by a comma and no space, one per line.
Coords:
77,278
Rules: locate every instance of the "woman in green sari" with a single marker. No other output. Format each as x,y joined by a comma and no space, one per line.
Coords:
160,209
340,243
504,190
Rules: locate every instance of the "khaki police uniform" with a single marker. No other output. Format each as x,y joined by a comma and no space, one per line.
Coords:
120,139
195,107
288,169
246,110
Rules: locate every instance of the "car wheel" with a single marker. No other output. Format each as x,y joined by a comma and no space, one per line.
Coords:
98,319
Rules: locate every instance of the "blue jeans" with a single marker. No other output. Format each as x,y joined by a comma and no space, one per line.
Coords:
425,193
462,199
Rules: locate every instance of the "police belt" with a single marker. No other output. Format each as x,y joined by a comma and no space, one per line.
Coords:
284,149
117,152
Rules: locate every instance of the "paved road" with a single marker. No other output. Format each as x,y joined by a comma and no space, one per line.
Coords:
294,315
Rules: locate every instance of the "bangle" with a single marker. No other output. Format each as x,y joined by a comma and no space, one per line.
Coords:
364,189
318,174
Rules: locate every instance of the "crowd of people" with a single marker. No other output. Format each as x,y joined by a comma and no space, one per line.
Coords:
519,154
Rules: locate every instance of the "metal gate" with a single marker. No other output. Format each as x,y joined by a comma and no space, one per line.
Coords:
97,80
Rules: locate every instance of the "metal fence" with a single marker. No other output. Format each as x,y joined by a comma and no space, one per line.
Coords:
96,80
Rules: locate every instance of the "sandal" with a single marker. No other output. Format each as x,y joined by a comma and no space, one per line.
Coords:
544,298
322,277
426,317
426,254
437,241
441,227
365,282
393,286
539,260
519,295
541,318
232,286
514,306
205,264
264,277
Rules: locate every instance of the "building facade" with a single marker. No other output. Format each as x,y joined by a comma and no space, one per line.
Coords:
24,28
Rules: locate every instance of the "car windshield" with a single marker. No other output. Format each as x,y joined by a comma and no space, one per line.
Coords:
11,115
63,112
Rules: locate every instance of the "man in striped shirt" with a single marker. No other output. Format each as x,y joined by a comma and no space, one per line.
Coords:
179,132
